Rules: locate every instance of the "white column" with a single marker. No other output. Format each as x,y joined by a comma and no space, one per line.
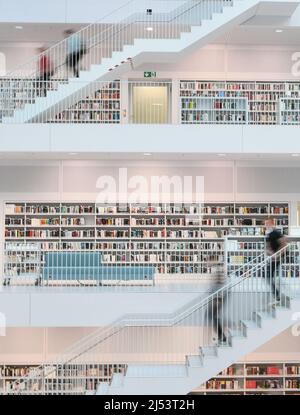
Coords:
124,101
175,102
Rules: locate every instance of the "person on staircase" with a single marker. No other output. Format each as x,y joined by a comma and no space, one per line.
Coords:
45,72
275,241
76,49
217,305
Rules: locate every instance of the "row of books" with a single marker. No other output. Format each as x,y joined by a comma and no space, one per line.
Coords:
263,370
290,105
263,118
135,246
290,118
264,384
223,384
292,383
237,86
250,96
293,370
232,370
205,117
15,371
268,107
146,209
144,222
88,115
151,258
137,233
113,222
234,245
97,105
43,222
214,103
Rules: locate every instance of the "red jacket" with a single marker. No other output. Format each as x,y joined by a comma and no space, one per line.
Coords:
44,65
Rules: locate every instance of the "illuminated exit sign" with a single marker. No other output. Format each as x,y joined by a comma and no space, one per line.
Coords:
149,74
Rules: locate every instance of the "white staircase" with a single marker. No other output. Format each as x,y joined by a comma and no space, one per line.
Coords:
182,379
137,38
174,354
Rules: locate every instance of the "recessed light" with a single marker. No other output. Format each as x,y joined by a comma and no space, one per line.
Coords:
148,154
19,27
278,30
149,29
221,155
295,155
73,154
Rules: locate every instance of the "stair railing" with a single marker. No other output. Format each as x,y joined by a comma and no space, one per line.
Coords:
98,41
168,338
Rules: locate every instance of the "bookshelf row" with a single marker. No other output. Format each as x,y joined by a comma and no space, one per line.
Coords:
34,221
67,379
175,238
103,106
241,378
201,102
163,208
229,102
255,378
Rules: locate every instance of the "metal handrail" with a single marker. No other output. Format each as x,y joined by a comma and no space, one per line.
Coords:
134,320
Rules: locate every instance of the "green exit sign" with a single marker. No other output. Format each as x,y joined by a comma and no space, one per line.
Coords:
149,74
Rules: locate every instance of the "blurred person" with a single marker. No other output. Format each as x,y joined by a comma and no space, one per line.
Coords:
275,241
76,49
218,303
45,72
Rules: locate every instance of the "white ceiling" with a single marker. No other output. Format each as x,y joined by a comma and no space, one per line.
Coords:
34,33
262,35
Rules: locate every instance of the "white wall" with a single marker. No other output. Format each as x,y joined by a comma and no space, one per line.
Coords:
35,345
223,180
122,139
229,62
84,307
212,62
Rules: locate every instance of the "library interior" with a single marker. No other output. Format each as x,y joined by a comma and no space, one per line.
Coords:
150,197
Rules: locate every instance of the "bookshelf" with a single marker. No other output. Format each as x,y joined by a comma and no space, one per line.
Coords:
70,379
22,263
103,107
18,92
10,372
240,251
175,238
257,378
290,111
234,102
242,378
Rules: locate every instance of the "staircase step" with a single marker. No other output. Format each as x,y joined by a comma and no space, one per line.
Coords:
265,315
195,361
250,324
209,351
236,333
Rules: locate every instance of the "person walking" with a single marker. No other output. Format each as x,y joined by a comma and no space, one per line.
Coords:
45,72
76,49
217,305
275,241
